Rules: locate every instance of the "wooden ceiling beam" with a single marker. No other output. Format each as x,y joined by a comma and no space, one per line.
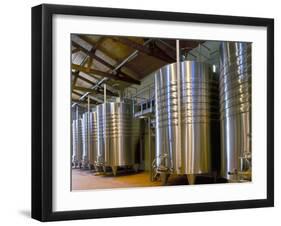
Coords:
85,80
142,48
92,83
90,41
89,62
74,100
80,88
97,45
75,50
90,71
75,74
91,53
170,52
76,93
157,51
80,95
93,91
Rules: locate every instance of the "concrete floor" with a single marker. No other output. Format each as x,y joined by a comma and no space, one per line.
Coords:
86,179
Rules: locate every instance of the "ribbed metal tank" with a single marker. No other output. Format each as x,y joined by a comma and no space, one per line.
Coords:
235,108
118,135
85,140
100,161
77,145
93,139
183,118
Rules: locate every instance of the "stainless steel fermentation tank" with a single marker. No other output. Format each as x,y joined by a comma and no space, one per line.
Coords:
85,140
77,146
184,113
92,156
235,108
89,139
118,136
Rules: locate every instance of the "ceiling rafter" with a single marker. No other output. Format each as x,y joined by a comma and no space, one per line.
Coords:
94,91
75,50
91,71
170,52
93,84
86,80
89,62
81,88
91,53
91,98
156,50
74,100
148,51
97,45
75,74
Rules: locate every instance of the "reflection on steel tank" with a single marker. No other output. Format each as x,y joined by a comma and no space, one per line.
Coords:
184,113
235,109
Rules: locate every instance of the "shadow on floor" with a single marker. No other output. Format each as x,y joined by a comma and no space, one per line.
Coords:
25,213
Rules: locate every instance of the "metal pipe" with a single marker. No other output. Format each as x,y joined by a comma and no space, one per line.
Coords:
179,98
88,104
88,130
151,155
77,112
104,94
105,134
199,52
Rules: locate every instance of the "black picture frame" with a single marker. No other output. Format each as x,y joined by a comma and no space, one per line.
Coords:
42,111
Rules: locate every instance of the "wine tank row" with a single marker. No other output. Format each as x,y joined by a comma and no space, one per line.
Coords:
110,138
202,123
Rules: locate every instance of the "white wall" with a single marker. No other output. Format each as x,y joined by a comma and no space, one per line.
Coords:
15,125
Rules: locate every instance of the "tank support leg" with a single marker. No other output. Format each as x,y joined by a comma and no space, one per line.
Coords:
215,175
114,170
191,178
104,169
136,167
164,178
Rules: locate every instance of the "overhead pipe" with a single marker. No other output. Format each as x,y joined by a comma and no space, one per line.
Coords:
179,94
